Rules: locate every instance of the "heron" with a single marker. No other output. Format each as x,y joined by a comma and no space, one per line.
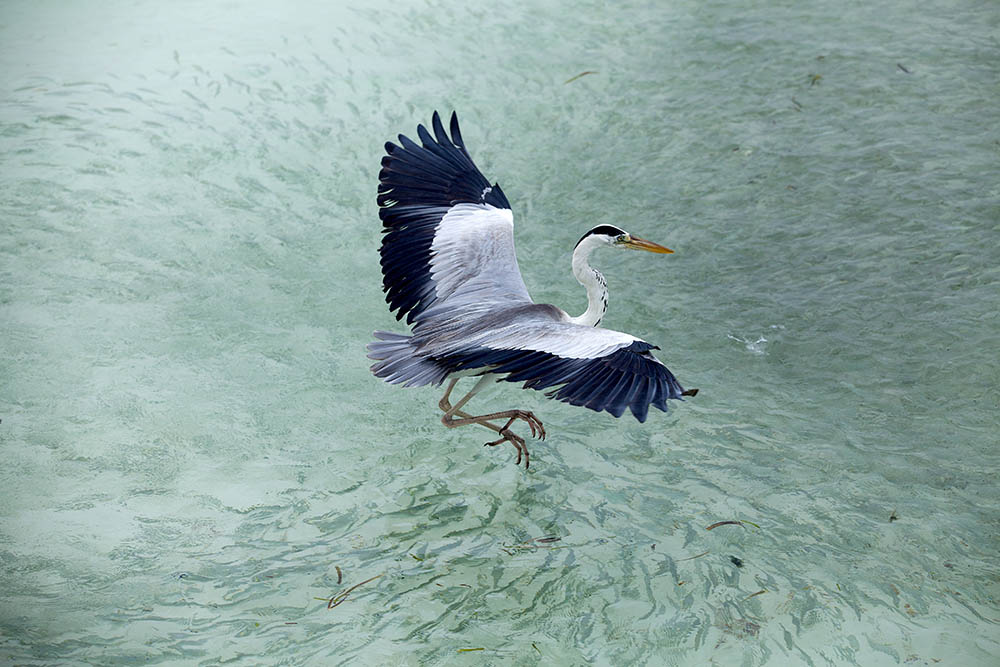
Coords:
449,268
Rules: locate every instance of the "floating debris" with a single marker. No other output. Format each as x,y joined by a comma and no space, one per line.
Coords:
893,517
340,597
467,650
725,523
753,595
814,79
340,575
705,553
572,79
738,562
903,67
417,558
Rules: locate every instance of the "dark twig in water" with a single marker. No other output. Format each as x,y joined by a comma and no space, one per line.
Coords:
340,575
903,67
466,650
725,523
546,540
572,79
334,601
893,517
753,595
738,562
705,553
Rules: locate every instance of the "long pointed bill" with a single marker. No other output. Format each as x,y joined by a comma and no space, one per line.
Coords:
636,243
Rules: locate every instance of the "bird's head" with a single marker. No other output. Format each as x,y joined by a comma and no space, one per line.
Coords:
619,238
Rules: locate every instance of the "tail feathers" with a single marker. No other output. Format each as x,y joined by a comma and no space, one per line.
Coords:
398,363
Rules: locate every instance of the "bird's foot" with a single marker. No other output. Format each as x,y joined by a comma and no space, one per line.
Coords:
537,430
517,441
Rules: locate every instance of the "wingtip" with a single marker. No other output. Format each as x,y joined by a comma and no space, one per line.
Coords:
439,133
456,133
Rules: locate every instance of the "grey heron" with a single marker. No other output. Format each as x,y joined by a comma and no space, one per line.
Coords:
449,267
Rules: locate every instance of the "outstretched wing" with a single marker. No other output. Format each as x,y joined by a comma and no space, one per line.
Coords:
448,233
597,368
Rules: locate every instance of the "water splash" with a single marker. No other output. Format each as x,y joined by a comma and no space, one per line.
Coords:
755,346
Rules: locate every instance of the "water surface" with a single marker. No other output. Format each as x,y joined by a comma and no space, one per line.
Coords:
193,444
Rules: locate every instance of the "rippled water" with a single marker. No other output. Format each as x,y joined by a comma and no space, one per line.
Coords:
192,443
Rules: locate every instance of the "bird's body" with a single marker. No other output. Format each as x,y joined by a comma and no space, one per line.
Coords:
449,267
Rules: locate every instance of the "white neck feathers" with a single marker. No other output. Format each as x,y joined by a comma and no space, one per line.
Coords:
591,278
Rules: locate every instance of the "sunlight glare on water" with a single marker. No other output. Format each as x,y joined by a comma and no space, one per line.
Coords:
197,459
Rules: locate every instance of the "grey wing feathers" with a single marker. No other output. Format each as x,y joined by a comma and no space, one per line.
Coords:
398,363
420,185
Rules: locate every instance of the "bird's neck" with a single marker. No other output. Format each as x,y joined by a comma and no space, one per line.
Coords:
597,288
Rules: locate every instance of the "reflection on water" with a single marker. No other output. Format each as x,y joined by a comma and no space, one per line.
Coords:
197,459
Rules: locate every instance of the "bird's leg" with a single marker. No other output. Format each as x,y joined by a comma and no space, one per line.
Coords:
537,429
445,406
443,403
450,411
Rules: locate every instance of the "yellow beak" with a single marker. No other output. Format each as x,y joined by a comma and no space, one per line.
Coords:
637,243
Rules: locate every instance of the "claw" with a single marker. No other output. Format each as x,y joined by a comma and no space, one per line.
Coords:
537,429
517,441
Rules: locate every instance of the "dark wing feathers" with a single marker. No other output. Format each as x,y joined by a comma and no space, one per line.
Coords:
418,184
629,377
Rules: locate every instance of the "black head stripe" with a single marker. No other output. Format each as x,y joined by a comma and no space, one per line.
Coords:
605,230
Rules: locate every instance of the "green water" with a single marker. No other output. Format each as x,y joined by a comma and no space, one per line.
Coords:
192,443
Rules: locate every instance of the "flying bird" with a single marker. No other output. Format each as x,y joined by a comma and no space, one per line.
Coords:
449,268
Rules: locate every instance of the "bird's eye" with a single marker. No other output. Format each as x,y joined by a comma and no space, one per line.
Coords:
621,238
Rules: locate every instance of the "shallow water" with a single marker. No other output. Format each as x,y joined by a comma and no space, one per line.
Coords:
193,444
